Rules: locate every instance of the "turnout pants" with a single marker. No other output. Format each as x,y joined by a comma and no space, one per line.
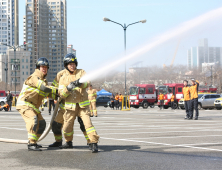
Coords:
69,118
194,106
58,124
187,108
35,124
93,109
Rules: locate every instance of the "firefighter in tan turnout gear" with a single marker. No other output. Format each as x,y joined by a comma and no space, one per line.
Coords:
58,122
76,102
34,90
92,99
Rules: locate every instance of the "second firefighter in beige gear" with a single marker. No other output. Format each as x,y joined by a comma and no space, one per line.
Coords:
92,99
34,90
58,121
76,104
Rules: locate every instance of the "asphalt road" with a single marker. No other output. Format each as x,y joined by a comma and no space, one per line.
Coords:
136,139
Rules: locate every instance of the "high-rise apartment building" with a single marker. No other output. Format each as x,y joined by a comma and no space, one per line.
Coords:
45,33
9,24
196,56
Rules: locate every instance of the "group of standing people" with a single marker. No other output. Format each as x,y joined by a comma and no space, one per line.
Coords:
74,104
190,95
116,101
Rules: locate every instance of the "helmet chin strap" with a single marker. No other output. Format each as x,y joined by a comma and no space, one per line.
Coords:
69,70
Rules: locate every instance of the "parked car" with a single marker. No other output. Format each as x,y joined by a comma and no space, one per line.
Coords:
102,101
218,103
207,101
181,101
2,101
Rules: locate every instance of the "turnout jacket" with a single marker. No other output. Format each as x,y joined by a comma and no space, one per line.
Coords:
92,95
31,95
78,94
58,76
194,90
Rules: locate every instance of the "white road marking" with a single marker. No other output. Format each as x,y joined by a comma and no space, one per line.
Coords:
166,137
164,144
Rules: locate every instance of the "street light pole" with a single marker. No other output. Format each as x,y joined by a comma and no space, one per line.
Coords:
15,66
124,28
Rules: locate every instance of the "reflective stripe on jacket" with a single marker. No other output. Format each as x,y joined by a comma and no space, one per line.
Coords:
92,95
77,95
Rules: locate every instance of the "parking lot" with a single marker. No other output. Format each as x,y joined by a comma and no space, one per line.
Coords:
136,139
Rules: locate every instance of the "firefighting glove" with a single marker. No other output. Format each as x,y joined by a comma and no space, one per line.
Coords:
71,86
77,83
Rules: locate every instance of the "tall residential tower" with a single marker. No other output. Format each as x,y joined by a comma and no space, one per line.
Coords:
9,24
45,33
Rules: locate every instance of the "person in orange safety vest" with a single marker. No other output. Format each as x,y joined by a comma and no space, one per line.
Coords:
172,101
161,98
186,96
194,98
120,100
5,107
117,101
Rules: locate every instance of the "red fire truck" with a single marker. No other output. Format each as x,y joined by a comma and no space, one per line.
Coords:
169,89
207,89
144,95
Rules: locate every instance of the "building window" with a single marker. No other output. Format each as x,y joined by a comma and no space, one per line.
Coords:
29,5
22,73
27,73
29,0
27,67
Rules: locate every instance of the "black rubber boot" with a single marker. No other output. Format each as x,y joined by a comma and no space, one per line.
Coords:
66,145
56,144
90,146
94,147
39,146
33,147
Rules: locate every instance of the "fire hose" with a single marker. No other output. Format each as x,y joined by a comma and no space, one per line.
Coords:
43,135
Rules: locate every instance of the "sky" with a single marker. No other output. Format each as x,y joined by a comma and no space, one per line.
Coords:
98,42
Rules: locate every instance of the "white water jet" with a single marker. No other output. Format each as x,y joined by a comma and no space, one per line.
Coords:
173,33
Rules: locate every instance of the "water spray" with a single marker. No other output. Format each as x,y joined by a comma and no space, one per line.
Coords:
178,31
